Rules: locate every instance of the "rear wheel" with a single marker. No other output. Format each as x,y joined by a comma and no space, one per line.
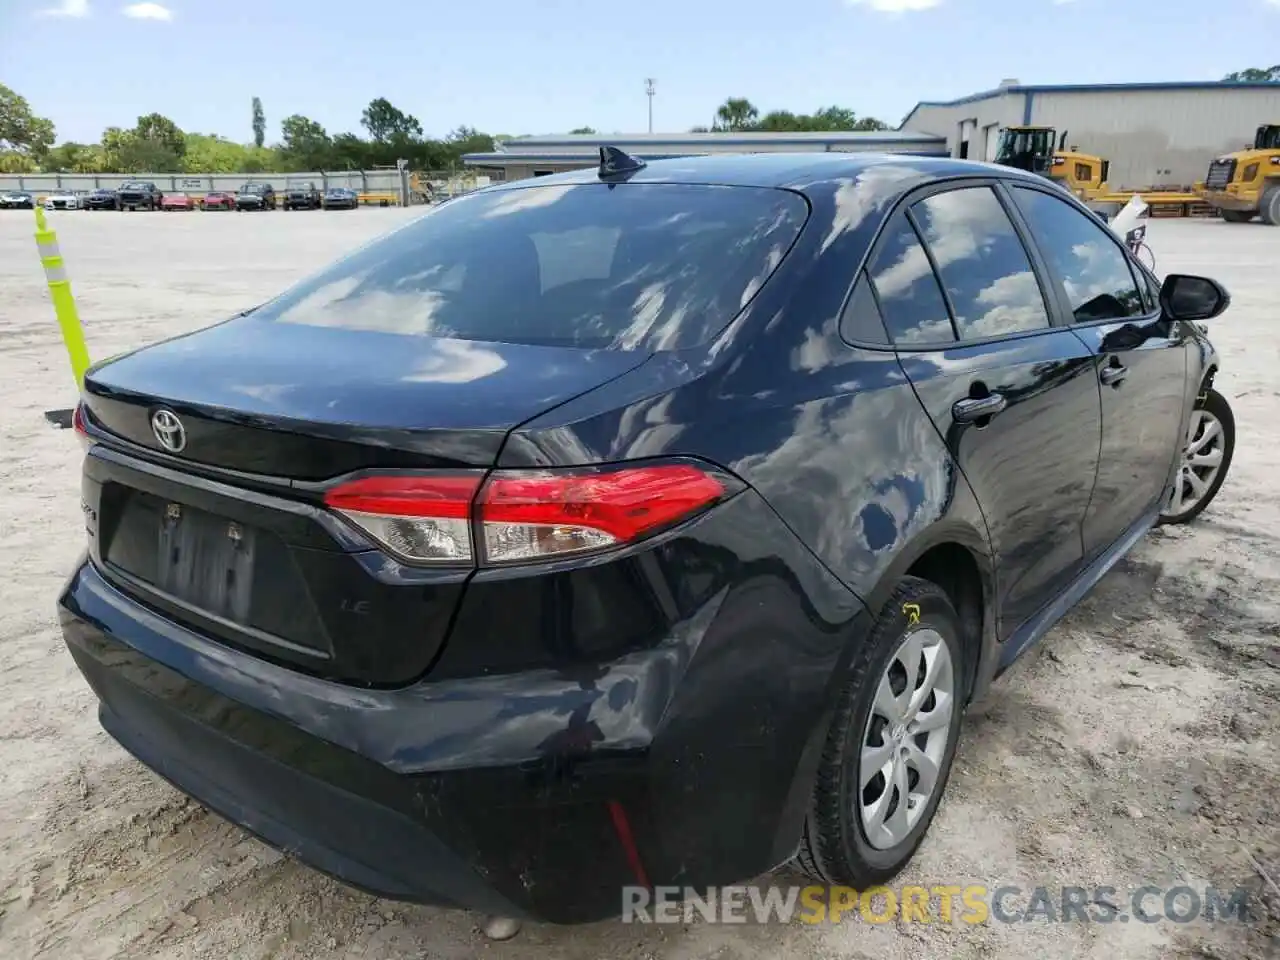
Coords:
1206,457
1237,216
1270,206
889,750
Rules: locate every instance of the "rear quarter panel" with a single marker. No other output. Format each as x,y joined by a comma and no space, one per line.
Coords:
831,435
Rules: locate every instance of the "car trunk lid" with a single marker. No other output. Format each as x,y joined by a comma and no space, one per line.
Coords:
307,403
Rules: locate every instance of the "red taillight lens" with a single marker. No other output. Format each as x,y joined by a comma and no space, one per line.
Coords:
530,516
522,516
77,424
424,518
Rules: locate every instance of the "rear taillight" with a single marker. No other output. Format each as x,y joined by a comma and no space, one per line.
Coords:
423,518
521,516
78,425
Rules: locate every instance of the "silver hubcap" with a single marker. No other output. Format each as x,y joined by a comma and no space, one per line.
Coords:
905,738
1201,461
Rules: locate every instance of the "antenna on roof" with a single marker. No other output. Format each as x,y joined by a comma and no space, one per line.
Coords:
618,163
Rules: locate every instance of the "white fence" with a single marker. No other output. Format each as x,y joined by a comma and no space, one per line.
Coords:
362,181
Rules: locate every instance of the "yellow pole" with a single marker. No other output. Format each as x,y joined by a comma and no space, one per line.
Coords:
64,304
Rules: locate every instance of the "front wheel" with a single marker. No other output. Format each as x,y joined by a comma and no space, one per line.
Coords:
1269,209
1206,457
1237,216
889,750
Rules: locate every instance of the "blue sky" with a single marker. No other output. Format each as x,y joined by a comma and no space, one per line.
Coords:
545,66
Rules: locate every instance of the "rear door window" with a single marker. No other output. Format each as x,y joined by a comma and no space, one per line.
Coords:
983,265
911,303
620,266
1093,269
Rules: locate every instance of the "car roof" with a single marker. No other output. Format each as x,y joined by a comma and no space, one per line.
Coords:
805,172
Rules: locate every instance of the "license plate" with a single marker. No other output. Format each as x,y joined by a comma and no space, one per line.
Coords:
206,561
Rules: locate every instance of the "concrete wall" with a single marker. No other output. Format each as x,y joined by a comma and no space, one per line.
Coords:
369,181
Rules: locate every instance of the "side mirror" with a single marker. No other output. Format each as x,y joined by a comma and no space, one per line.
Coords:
1184,297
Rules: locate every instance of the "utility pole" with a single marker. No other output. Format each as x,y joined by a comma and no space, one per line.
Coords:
649,92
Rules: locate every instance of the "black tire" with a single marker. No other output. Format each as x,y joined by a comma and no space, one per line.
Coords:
1269,208
1237,216
834,848
1216,404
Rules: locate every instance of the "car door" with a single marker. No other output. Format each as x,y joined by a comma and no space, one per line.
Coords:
1014,397
1140,361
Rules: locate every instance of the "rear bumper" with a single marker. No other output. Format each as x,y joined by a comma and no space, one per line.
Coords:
309,784
536,793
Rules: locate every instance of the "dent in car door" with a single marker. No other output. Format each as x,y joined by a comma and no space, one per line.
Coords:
1014,399
1140,361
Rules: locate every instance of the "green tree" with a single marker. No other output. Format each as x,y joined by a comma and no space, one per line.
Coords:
140,155
305,145
21,131
209,153
162,133
114,141
582,130
259,123
462,140
780,121
260,160
1255,75
386,124
13,162
349,152
736,113
73,158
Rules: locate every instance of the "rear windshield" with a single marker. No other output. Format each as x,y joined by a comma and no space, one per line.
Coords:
629,266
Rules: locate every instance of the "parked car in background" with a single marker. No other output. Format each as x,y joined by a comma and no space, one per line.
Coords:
101,199
62,200
17,200
219,200
303,195
340,198
547,573
256,196
139,195
177,201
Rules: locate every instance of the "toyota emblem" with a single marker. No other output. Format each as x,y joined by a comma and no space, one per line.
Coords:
169,430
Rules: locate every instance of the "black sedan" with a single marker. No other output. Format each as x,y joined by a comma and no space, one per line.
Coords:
340,198
17,200
101,199
256,196
635,526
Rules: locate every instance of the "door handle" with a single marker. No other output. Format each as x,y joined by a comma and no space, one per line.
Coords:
975,408
1114,375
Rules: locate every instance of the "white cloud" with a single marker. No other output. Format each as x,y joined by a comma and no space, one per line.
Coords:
67,8
148,11
901,6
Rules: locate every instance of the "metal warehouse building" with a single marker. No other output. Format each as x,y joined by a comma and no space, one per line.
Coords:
538,156
1154,134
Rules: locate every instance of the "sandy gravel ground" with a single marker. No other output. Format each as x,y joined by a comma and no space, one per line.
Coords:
1137,745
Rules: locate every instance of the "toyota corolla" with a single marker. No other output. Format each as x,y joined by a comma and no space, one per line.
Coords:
638,525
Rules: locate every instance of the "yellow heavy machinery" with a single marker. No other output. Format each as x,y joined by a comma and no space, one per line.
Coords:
1040,150
1246,184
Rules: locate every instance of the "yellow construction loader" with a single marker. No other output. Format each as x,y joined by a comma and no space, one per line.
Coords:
1040,150
1246,184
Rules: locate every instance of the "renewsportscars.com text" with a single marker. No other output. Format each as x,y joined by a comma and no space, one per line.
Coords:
945,903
